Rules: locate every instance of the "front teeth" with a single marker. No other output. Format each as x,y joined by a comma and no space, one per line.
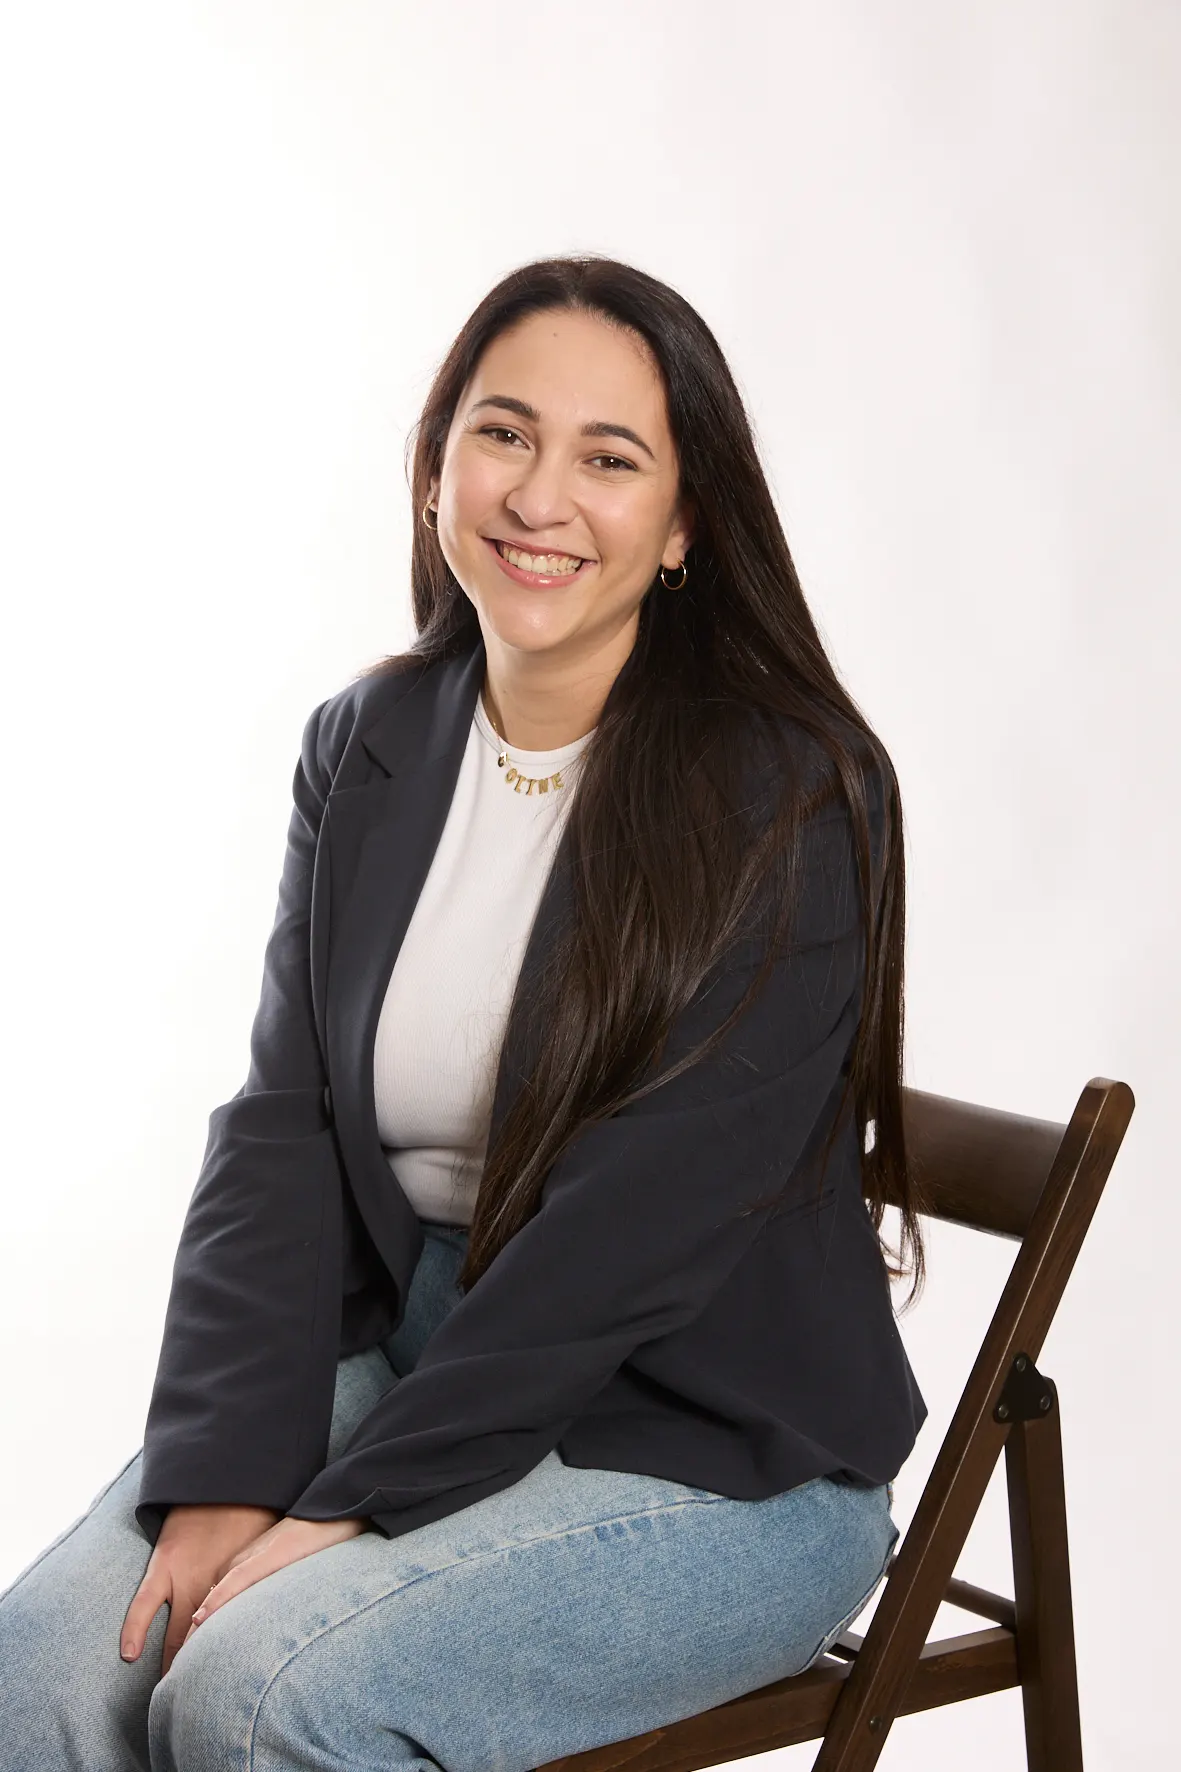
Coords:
557,565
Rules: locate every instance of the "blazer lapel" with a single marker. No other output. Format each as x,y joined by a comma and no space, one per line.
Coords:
382,838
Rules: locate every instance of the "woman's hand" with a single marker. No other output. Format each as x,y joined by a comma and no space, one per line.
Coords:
195,1546
285,1542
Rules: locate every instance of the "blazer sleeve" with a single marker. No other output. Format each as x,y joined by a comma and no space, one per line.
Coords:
641,1220
247,1362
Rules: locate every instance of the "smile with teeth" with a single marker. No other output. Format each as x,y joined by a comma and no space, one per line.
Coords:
558,565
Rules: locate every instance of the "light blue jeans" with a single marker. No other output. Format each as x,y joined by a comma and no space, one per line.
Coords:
573,1609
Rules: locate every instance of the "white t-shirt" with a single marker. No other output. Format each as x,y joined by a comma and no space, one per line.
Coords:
442,1021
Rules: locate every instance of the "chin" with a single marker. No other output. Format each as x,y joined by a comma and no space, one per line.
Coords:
524,635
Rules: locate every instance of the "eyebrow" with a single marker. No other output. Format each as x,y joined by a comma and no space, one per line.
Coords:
599,428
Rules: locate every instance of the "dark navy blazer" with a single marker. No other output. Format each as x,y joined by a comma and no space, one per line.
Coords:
645,1319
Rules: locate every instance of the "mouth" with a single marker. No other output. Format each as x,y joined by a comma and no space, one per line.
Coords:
536,569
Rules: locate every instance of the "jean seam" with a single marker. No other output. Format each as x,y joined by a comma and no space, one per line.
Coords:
831,1636
477,1557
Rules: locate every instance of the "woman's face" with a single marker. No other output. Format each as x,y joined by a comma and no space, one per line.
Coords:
539,457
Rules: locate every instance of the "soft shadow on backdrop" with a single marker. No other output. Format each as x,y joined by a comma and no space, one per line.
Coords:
941,253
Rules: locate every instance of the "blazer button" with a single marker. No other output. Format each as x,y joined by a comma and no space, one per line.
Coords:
327,1101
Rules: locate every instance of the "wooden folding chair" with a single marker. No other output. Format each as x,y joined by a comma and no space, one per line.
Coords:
1039,1183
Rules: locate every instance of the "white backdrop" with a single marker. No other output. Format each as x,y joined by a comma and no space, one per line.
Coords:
940,247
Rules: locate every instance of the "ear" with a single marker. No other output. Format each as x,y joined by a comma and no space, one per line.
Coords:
680,537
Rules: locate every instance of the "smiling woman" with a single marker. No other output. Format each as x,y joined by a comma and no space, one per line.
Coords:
555,512
529,1378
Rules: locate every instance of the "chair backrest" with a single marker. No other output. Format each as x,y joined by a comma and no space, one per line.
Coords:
976,1166
1036,1181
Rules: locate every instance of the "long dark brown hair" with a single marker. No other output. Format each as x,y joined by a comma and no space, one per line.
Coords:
664,868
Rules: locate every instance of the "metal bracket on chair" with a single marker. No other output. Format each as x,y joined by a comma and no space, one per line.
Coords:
1026,1395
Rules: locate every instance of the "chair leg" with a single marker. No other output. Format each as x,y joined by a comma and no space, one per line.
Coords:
1041,1578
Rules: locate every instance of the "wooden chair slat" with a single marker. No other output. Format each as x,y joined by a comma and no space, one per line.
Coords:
983,1603
976,1166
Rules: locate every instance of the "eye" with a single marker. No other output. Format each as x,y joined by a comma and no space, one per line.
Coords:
507,431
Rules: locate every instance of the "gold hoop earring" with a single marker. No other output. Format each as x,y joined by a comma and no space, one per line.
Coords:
433,527
684,576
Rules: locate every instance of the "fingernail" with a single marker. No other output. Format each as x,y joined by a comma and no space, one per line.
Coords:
128,1651
199,1614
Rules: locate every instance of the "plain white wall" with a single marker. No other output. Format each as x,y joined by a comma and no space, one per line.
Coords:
940,248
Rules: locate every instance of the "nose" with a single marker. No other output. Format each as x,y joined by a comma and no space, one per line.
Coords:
543,495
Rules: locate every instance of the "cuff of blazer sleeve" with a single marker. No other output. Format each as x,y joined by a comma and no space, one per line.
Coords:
150,1518
151,1515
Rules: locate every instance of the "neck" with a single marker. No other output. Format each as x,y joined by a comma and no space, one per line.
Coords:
538,705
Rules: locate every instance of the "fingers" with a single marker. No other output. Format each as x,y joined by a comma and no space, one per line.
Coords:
234,1581
153,1591
285,1542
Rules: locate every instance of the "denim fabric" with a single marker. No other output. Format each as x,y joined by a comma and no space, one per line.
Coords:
575,1608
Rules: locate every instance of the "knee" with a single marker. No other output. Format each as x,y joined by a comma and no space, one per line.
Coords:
66,1696
237,1699
202,1713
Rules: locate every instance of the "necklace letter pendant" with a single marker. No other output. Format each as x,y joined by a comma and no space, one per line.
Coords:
543,784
